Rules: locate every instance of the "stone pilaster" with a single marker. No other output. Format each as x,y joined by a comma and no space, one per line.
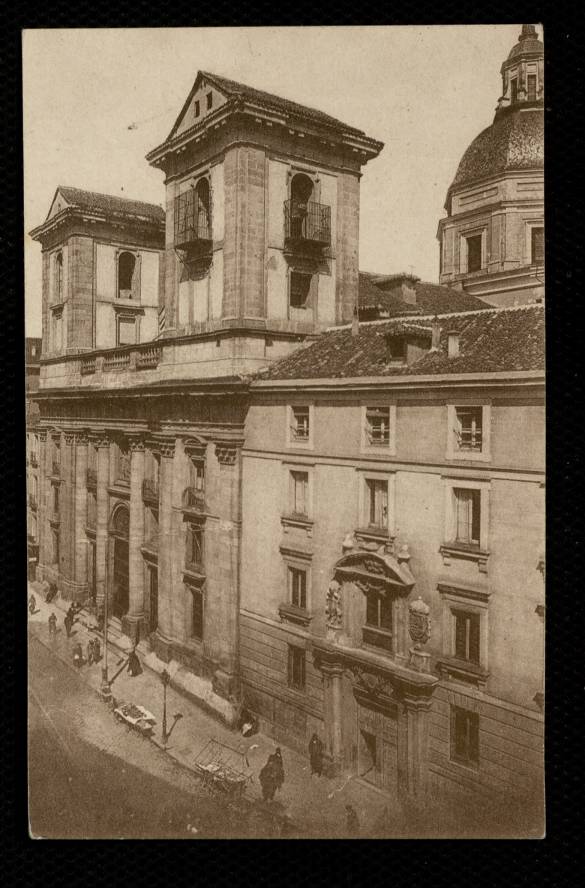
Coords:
415,735
80,500
164,631
42,514
333,702
102,443
133,622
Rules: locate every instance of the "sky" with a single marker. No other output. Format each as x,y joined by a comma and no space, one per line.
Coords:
97,100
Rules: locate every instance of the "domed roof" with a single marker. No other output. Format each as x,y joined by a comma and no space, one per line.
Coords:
514,141
531,44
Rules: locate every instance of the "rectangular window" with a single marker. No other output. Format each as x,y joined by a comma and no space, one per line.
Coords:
197,614
467,515
197,108
299,492
513,90
378,611
377,503
378,426
468,428
198,475
531,87
467,636
300,424
126,331
474,257
209,101
464,736
537,246
296,667
300,286
56,499
195,545
297,583
55,547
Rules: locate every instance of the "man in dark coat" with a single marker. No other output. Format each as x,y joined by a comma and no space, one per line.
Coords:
353,824
267,780
134,667
316,755
278,766
52,624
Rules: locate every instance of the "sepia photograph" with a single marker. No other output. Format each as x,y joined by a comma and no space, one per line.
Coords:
285,432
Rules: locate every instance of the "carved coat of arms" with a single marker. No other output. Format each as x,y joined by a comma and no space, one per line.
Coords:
419,622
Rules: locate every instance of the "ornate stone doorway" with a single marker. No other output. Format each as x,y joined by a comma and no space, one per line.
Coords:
378,746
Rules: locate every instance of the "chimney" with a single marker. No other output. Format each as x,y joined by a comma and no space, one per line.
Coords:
436,335
453,344
355,322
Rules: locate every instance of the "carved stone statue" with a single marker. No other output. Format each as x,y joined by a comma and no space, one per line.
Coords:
334,605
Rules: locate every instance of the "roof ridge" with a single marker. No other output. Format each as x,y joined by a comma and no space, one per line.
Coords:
134,200
474,311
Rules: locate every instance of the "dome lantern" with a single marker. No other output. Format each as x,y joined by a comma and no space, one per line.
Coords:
523,72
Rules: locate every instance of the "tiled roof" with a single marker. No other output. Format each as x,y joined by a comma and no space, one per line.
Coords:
430,298
490,340
108,203
234,89
514,141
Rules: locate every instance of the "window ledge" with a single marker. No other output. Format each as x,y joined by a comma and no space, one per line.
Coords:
302,522
465,551
452,667
193,574
290,613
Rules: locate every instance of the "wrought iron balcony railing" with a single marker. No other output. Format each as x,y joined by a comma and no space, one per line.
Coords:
194,499
308,223
56,469
192,221
150,491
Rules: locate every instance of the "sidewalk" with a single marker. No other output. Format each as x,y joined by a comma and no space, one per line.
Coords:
315,805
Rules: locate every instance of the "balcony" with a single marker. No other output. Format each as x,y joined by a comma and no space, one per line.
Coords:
150,492
88,366
56,469
307,224
32,502
192,222
193,500
148,358
91,478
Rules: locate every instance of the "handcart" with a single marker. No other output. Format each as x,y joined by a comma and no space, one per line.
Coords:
136,717
223,768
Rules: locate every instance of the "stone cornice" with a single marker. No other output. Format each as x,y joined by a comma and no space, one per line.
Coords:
93,216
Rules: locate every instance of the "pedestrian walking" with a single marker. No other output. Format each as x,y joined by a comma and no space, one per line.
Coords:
316,755
68,624
32,604
134,667
52,624
278,768
89,653
97,654
78,656
268,780
353,824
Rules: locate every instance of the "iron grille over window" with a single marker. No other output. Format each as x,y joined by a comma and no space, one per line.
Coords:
300,427
307,221
296,667
378,425
464,736
537,246
469,428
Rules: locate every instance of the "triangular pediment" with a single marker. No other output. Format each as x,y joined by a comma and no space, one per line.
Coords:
196,107
58,204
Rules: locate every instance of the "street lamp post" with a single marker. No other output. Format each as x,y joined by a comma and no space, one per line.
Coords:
106,690
165,677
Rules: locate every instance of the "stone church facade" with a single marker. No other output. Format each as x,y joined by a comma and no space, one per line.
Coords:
312,514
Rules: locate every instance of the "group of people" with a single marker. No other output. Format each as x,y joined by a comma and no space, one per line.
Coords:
93,653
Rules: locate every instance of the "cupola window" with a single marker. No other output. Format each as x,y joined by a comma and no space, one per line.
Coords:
531,81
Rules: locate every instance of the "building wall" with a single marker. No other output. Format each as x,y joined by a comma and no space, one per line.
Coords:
511,586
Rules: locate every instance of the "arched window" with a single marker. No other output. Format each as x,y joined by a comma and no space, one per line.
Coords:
121,522
59,277
203,209
126,276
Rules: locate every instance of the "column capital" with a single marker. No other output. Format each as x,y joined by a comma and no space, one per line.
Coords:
42,433
99,438
164,445
70,435
56,434
82,436
227,451
136,442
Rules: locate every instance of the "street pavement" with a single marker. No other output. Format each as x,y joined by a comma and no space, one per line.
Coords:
92,776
